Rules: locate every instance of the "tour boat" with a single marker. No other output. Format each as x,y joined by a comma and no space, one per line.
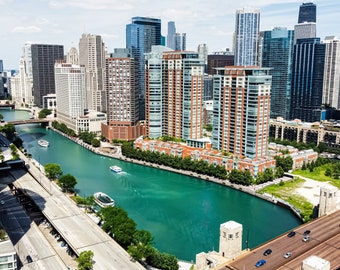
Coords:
43,143
116,169
103,200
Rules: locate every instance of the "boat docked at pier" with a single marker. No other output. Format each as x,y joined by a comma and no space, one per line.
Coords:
116,169
43,143
103,200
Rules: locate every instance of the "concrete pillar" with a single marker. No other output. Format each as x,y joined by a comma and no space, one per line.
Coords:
328,200
230,239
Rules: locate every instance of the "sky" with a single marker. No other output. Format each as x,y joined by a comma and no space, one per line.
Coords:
211,22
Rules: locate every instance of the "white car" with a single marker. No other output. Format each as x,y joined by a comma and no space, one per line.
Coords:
287,255
306,238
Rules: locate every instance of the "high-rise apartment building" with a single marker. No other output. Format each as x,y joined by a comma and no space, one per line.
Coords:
277,54
70,92
247,37
122,98
306,27
175,94
307,80
43,57
219,59
92,54
241,108
141,35
331,80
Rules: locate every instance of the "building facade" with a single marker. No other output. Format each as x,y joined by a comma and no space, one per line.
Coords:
331,80
92,54
219,59
70,93
141,35
306,27
122,98
307,80
241,111
277,54
247,37
170,41
44,57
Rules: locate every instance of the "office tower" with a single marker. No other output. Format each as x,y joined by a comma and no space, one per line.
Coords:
72,56
246,37
219,59
171,41
202,50
43,59
306,27
180,41
70,83
331,81
92,55
122,98
141,34
277,54
1,66
208,87
174,93
307,80
307,12
241,111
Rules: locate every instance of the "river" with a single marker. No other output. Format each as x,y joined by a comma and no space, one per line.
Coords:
182,213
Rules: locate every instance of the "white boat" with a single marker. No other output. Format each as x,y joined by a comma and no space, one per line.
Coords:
43,143
103,200
116,169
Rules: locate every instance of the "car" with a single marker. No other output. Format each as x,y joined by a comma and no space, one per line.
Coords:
29,259
287,255
306,238
291,234
260,263
307,232
267,252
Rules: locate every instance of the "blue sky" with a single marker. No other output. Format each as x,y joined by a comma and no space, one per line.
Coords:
211,22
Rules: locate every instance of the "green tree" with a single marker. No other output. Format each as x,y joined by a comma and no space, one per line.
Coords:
9,130
162,260
67,182
95,142
85,260
1,116
279,172
14,151
43,113
141,247
286,163
52,170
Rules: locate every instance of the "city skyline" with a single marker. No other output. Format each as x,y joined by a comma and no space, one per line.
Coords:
63,22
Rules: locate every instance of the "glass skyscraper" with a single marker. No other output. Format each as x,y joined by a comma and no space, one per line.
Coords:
246,37
141,35
307,13
277,54
307,80
306,27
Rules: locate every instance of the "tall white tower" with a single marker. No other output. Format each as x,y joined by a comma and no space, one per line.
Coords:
230,239
328,200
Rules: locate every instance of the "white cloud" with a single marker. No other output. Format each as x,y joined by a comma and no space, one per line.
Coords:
26,29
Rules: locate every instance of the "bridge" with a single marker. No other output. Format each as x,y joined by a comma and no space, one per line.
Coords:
12,106
30,121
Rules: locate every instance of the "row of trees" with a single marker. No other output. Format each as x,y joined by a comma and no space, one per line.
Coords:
198,166
67,182
138,243
63,128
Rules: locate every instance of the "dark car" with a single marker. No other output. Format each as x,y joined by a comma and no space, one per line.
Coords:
29,259
291,234
260,263
306,232
267,252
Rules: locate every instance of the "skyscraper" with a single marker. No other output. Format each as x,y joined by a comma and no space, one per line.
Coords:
141,34
277,54
43,59
306,27
92,55
1,66
180,41
122,98
70,92
307,12
307,80
246,37
331,81
241,111
179,88
170,40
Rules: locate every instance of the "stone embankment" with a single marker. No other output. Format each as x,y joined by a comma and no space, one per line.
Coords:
115,152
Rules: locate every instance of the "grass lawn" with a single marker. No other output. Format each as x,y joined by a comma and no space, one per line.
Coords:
285,191
319,175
